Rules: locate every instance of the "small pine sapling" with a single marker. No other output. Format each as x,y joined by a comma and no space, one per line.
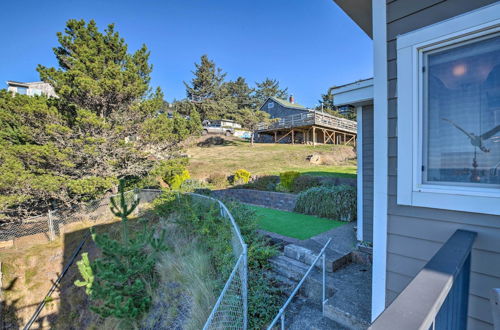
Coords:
86,272
123,210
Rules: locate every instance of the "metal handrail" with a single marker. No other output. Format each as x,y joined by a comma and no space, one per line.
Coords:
281,314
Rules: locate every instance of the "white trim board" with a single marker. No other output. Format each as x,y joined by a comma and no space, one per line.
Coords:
359,149
380,160
355,94
410,48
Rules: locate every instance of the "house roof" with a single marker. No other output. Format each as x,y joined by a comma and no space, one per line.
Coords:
16,83
285,103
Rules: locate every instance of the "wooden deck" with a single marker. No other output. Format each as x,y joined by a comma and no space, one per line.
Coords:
313,127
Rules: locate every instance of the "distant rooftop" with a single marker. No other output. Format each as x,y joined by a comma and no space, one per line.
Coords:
287,104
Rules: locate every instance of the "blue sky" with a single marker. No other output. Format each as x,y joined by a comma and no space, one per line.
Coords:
308,45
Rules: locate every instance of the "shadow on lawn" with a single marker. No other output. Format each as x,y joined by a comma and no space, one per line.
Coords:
216,141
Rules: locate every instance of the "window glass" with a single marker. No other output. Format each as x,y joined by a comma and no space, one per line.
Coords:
22,90
270,105
461,90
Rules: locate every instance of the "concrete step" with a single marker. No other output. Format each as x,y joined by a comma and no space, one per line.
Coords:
301,314
350,305
287,269
307,254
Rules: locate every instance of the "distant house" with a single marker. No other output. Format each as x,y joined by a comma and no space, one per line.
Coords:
279,108
31,88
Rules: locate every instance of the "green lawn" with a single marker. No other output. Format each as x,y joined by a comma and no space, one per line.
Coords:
292,224
329,171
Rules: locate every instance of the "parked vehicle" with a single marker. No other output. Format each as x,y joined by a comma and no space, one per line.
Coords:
218,127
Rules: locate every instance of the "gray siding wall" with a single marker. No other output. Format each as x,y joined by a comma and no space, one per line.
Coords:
279,111
367,145
415,234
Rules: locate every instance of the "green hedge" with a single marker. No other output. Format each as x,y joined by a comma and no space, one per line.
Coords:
337,202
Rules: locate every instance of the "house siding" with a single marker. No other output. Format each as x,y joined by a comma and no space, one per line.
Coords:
279,111
415,234
367,145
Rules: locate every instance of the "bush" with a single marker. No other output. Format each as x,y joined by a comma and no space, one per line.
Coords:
178,179
287,179
305,182
337,202
241,176
172,172
265,183
218,180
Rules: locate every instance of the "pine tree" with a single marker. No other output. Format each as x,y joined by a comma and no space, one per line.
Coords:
117,282
96,72
269,87
240,93
207,81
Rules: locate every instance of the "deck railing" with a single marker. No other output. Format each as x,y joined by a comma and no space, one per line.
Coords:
311,118
437,298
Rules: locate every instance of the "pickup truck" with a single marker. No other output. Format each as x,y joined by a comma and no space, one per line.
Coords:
216,127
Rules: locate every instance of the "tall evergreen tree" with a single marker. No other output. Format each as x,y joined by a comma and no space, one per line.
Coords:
106,124
240,93
207,81
95,71
269,87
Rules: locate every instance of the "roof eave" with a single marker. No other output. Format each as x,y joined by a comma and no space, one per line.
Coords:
360,11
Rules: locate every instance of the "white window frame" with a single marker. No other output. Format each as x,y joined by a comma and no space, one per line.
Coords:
410,49
270,105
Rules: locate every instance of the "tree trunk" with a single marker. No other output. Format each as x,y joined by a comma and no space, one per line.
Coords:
251,138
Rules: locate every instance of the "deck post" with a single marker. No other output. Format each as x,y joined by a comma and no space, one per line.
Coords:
293,136
314,135
275,136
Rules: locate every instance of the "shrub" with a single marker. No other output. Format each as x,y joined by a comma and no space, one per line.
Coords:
218,180
266,183
337,202
178,179
172,172
241,176
191,185
305,182
287,179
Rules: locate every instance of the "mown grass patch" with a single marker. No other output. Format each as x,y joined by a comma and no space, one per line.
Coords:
292,224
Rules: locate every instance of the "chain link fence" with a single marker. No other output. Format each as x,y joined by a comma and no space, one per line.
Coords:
51,225
231,309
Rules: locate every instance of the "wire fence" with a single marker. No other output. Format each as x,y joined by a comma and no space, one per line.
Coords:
51,225
231,308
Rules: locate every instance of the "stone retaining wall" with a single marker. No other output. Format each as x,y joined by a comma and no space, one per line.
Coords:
276,200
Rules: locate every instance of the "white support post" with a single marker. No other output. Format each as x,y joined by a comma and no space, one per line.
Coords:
380,161
359,150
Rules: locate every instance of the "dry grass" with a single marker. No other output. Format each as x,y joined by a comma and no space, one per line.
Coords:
263,158
29,269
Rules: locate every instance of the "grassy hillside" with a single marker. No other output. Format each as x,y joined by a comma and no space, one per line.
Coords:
263,158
